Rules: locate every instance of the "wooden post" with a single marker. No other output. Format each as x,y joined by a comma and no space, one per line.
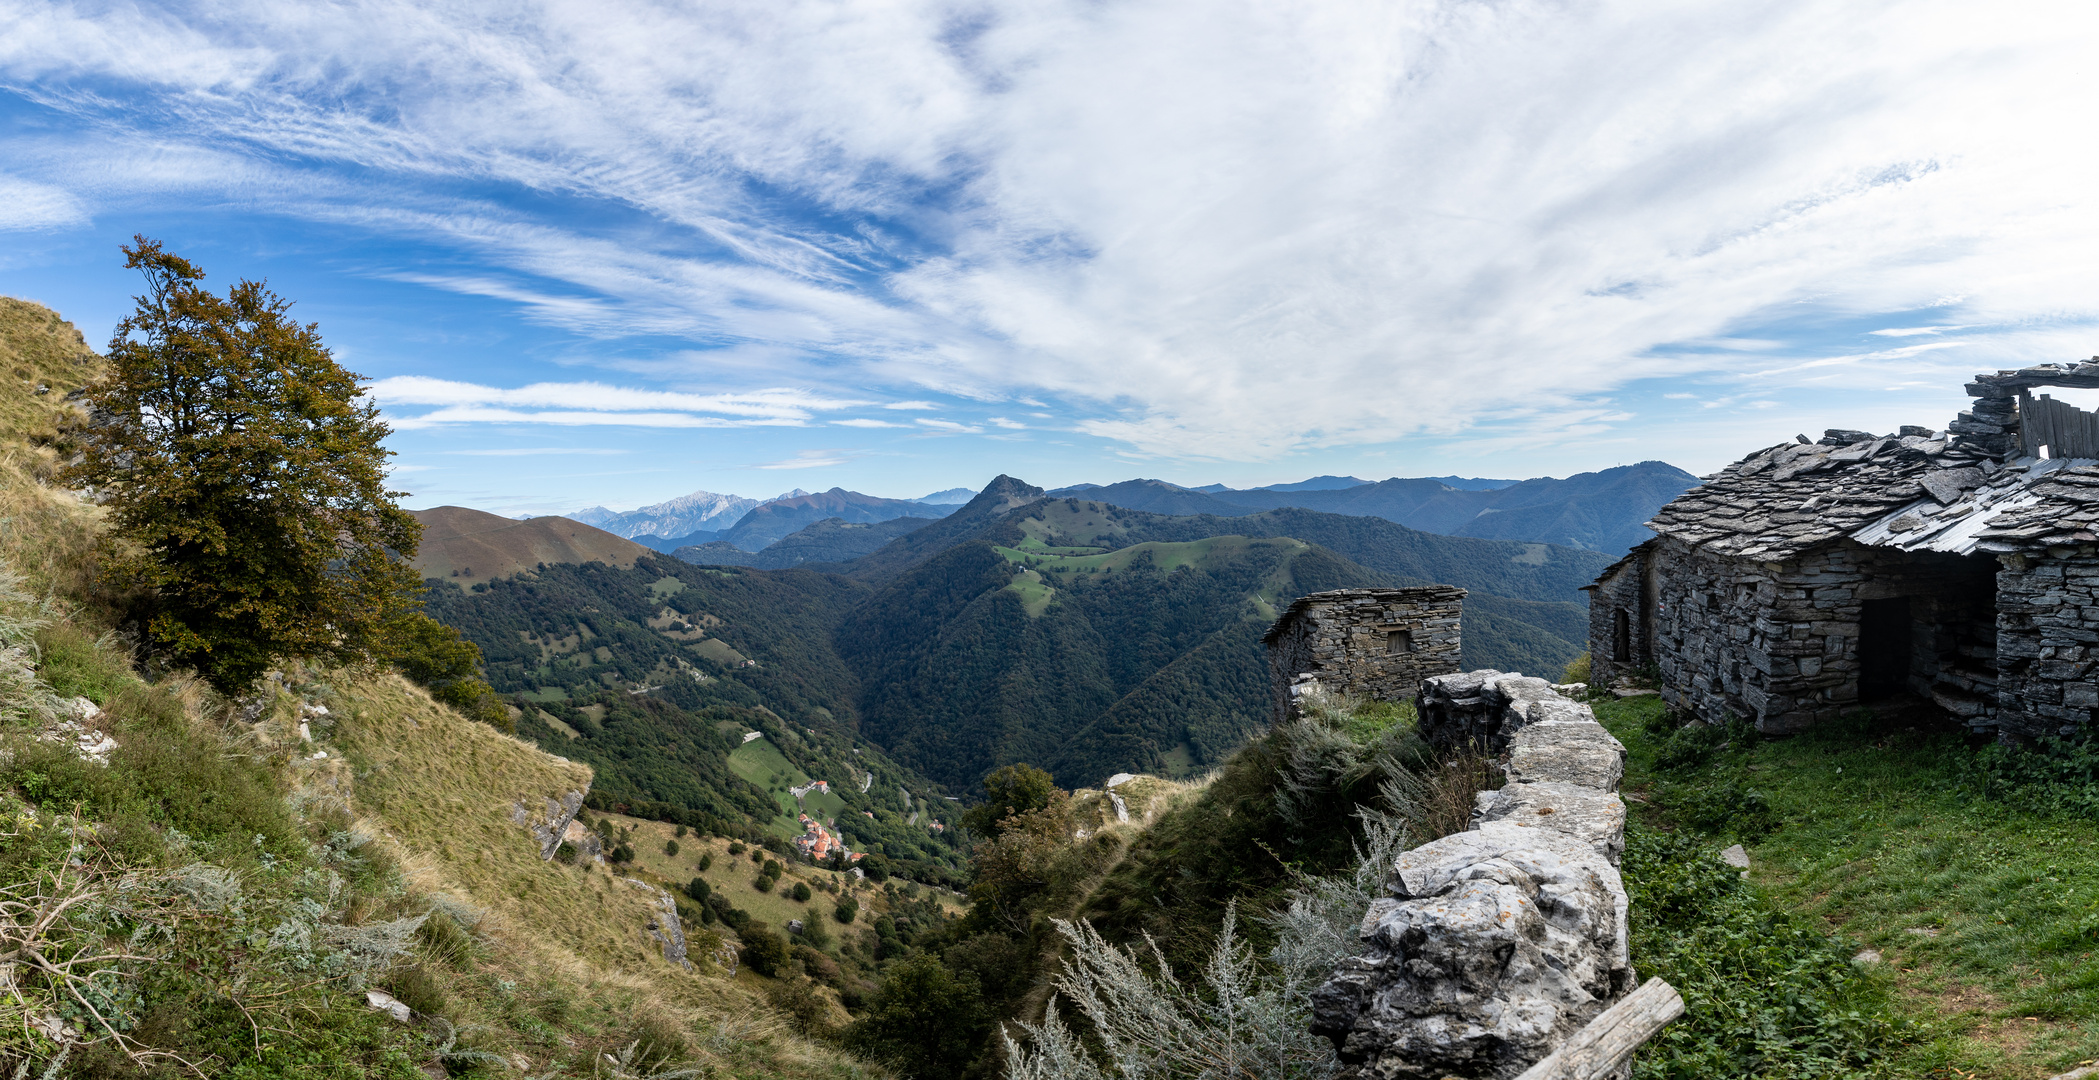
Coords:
1608,1041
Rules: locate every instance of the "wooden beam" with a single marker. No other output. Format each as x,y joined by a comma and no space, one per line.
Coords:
1608,1041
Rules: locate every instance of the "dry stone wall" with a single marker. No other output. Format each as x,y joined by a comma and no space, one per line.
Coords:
1375,643
1779,643
2048,643
1494,945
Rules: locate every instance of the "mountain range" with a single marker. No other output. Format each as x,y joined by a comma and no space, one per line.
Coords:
1600,511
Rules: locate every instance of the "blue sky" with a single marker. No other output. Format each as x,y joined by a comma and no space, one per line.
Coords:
613,253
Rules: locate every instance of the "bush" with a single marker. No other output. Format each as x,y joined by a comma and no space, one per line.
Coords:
804,1008
801,892
698,889
736,847
622,852
680,833
706,862
846,910
670,847
414,987
446,939
1578,671
763,884
925,1020
764,951
566,853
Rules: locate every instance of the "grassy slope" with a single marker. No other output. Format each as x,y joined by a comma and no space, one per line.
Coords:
558,969
1879,833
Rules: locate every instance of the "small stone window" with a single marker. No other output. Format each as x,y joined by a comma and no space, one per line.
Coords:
1399,641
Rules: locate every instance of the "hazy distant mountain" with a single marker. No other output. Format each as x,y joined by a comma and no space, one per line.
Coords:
1473,483
770,522
956,496
1321,483
832,540
679,517
1600,511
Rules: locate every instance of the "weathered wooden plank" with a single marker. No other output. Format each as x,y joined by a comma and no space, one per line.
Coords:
1609,1040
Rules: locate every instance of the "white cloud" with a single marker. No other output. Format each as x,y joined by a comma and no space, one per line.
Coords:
29,206
590,403
811,459
1009,424
1209,228
863,422
949,426
1913,331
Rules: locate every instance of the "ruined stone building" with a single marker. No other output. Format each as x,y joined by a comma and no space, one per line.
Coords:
1377,643
1810,577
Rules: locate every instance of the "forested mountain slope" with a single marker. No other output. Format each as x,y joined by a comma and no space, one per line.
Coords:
655,674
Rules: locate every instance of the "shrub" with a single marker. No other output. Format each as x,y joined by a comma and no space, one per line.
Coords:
773,868
764,951
1577,671
763,884
670,847
925,1020
658,1043
804,1008
706,862
622,852
736,847
680,833
566,853
414,987
846,910
801,892
446,939
698,889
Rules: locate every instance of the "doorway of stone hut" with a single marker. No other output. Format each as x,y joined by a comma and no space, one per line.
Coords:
1885,637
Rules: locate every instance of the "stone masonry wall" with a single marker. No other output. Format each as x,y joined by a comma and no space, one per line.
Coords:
1494,945
1623,588
1346,639
2048,642
1778,643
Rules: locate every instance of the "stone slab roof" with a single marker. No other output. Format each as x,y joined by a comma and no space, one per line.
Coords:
1418,594
1971,488
1782,500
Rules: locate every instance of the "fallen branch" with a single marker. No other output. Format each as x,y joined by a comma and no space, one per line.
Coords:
1608,1041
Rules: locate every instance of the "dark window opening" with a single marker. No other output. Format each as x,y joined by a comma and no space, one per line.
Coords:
1622,637
1885,639
1399,641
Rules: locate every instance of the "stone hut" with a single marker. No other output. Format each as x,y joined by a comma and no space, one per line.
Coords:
1379,643
1810,577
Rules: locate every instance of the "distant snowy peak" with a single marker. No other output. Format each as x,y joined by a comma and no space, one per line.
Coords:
682,516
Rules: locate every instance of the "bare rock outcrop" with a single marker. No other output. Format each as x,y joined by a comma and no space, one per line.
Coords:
663,926
547,818
1494,946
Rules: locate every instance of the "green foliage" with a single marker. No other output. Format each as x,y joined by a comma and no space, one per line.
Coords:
670,847
76,665
846,910
926,1021
236,458
801,892
706,862
1578,670
763,950
435,657
1009,791
698,889
1766,992
1725,808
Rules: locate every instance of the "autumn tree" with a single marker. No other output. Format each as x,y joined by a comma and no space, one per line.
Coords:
242,469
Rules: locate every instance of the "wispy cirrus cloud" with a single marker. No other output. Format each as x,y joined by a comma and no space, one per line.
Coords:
591,403
1230,231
